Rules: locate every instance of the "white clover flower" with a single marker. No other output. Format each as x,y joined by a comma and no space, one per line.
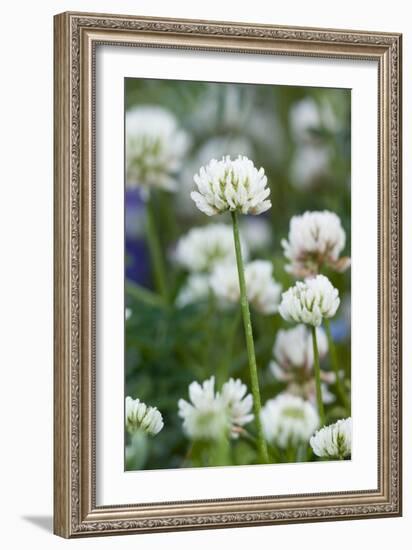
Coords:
293,348
256,232
202,248
334,441
195,289
288,420
262,290
315,239
155,148
231,185
139,416
211,415
127,313
214,147
293,362
205,417
238,405
310,301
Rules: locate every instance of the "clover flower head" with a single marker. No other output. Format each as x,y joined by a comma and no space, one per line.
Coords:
195,289
210,415
262,290
155,148
309,302
315,239
205,416
212,148
238,404
334,441
293,351
202,248
288,420
141,417
293,363
231,185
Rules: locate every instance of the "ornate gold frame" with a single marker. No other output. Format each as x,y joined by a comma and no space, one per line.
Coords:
75,39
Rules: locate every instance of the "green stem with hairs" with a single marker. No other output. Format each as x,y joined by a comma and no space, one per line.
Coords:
156,254
335,366
254,380
316,367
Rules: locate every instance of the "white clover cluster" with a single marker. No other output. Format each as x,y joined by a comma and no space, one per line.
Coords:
140,417
231,185
155,148
202,248
310,301
263,292
196,289
210,415
315,239
288,420
334,441
293,362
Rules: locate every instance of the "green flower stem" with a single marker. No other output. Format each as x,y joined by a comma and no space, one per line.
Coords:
301,453
316,367
254,380
219,452
209,330
335,366
155,249
225,363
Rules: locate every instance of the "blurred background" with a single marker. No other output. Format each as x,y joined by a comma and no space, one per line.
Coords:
301,136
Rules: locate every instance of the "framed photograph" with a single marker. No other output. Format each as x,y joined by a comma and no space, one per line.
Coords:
227,274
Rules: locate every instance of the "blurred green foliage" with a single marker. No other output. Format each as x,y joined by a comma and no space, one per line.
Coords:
168,348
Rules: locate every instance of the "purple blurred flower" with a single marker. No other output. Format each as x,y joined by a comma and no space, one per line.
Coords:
137,258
